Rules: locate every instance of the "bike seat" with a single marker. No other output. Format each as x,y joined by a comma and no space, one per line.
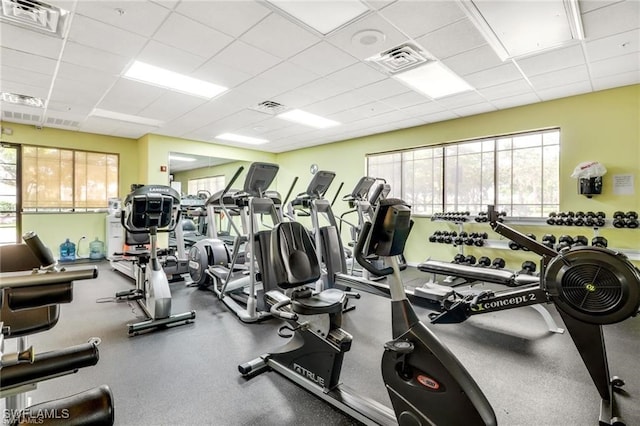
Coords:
329,301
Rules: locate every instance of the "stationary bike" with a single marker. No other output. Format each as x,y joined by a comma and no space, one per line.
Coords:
427,384
151,209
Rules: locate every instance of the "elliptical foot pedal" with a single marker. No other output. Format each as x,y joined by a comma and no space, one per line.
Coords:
402,347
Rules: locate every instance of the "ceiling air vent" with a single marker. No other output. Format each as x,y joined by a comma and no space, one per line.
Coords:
35,15
269,107
62,122
21,117
400,58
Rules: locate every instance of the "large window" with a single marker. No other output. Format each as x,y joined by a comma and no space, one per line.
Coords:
211,184
56,180
518,173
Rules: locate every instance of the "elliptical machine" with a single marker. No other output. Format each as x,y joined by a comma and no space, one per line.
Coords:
426,383
148,210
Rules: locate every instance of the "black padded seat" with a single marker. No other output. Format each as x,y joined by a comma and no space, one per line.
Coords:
329,301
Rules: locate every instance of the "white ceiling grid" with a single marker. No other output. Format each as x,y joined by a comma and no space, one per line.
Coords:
262,54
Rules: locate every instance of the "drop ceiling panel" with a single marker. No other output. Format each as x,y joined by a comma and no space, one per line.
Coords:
553,60
338,103
91,57
480,108
344,38
24,89
102,36
288,76
620,64
22,39
323,88
101,80
439,116
624,16
323,58
280,37
452,39
421,17
223,75
461,99
420,110
560,78
357,75
120,97
26,61
512,88
383,89
22,76
493,76
230,17
230,123
405,100
169,57
517,100
139,17
616,45
55,107
617,80
170,106
589,5
191,36
73,92
372,109
246,58
564,91
474,60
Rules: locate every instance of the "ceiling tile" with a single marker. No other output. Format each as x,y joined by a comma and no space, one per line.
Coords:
515,101
405,100
564,91
337,103
474,109
616,45
619,64
474,60
120,99
191,36
278,36
423,109
417,18
96,34
625,15
170,106
288,76
56,107
94,58
140,17
26,61
246,58
589,5
75,72
230,17
323,58
452,39
372,109
23,76
493,76
73,92
24,40
383,89
439,116
461,99
169,57
617,80
169,4
357,75
221,74
553,60
323,88
343,37
24,89
296,99
512,88
560,78
262,88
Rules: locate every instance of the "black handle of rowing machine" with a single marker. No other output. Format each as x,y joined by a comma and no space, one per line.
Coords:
42,253
359,253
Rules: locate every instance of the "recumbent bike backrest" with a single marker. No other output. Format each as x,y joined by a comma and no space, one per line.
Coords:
293,258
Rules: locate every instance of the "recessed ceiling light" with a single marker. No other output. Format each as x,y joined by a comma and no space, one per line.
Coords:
434,80
308,119
322,16
157,76
180,158
240,138
113,115
15,98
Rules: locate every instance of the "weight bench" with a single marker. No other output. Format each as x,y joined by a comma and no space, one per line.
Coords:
438,293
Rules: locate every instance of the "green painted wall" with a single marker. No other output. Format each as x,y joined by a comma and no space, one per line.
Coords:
602,126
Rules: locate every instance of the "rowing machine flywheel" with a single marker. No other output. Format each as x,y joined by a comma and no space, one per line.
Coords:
594,285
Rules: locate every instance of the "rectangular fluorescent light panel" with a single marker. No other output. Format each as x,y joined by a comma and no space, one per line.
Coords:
15,98
322,16
161,77
113,115
308,119
242,139
180,158
434,80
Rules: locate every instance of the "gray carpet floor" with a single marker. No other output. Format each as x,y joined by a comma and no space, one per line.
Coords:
187,375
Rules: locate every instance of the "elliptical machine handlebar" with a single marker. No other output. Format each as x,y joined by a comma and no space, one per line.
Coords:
359,253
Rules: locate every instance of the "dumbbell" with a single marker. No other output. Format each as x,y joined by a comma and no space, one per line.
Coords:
470,260
580,240
459,258
514,246
565,241
599,242
549,240
433,237
631,219
553,218
478,241
501,215
618,219
484,261
498,263
533,237
528,267
482,217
